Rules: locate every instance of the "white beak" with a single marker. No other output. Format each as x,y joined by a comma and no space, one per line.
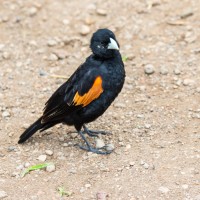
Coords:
113,44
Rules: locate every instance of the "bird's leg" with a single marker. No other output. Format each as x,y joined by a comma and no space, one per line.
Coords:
92,133
88,147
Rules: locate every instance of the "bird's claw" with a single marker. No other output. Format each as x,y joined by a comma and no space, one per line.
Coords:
94,150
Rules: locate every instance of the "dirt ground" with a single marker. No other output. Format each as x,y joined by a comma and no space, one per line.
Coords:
155,121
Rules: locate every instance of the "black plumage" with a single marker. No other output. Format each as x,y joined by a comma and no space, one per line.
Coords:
88,92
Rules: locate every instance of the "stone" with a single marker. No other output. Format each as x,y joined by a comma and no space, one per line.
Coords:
149,69
163,189
177,71
49,152
84,30
5,114
61,54
101,12
185,187
146,166
51,168
88,185
3,194
131,163
188,82
110,147
53,57
52,43
99,143
6,55
32,11
42,158
163,70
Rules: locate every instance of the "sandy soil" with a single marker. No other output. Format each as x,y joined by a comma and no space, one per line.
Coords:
155,120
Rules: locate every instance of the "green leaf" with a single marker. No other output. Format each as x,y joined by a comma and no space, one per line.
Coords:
124,58
62,192
35,167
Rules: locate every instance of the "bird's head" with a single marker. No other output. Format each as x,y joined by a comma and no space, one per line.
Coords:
104,44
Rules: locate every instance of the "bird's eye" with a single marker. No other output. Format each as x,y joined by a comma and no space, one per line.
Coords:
104,43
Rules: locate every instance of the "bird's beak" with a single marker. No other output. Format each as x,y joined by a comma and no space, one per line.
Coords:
113,44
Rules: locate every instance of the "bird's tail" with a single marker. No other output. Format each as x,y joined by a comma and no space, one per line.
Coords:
30,131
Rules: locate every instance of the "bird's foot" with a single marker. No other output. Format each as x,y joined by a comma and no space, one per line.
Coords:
93,133
95,150
88,147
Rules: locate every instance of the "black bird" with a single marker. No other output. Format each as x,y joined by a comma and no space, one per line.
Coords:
87,93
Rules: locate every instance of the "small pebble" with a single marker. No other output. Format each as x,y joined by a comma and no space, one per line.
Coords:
110,147
163,189
53,57
5,114
65,21
42,158
82,190
89,21
51,168
25,126
6,55
198,90
32,11
73,135
65,144
185,187
84,30
146,166
99,143
19,167
88,185
49,152
163,70
101,12
101,195
3,194
132,163
147,126
11,148
188,82
61,54
177,71
52,43
26,164
149,69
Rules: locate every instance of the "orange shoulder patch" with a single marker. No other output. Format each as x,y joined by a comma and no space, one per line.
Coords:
94,92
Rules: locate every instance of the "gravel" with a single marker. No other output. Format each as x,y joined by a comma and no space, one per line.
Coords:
52,43
51,168
42,158
49,152
110,147
32,11
164,70
84,30
3,194
53,57
163,189
5,114
101,12
99,143
149,69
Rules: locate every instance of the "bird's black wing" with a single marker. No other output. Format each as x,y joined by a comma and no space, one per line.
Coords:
84,86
